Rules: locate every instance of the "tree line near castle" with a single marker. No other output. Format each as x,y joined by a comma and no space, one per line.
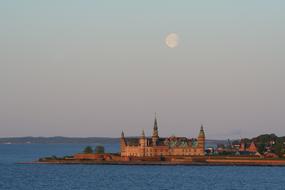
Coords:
97,150
267,143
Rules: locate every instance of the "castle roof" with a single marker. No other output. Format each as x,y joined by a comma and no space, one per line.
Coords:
132,141
170,141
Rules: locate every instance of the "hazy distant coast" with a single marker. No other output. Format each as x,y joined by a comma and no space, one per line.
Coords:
75,140
57,140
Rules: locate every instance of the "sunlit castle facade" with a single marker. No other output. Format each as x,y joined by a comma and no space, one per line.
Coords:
156,146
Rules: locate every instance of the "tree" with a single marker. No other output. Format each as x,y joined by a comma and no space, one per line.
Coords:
88,150
261,147
278,148
99,149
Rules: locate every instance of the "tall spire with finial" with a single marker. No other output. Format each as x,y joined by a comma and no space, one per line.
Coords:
155,127
122,144
202,133
201,141
155,122
155,131
143,134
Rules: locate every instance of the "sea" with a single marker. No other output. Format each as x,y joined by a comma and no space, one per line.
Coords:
16,175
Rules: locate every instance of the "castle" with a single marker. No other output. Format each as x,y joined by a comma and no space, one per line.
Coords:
156,146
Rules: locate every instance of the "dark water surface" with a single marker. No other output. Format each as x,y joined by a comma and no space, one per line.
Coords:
80,177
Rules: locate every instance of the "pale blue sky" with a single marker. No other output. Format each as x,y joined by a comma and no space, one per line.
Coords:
94,68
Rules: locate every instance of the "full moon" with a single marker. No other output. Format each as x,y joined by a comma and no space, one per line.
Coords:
172,40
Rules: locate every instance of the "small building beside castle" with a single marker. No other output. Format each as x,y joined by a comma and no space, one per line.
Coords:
247,149
156,146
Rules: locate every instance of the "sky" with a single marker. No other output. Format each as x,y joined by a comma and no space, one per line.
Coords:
94,68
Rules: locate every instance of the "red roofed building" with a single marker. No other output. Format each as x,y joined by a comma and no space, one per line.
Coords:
252,147
245,149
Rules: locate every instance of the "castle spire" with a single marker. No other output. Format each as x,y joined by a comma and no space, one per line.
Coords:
202,133
155,122
143,134
122,144
201,140
155,127
155,136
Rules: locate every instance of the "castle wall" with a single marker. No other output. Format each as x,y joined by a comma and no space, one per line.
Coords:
149,151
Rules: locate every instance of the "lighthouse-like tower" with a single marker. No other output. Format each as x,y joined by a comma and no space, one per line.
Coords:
143,139
201,141
143,144
123,144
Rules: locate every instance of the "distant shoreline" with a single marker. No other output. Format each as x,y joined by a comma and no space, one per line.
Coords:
58,140
207,162
73,140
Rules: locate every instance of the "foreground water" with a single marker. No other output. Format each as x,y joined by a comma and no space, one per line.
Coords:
15,176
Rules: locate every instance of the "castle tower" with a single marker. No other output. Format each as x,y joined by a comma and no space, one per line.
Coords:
122,144
201,141
142,142
155,132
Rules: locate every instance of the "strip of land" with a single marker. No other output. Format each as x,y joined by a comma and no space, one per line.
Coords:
109,159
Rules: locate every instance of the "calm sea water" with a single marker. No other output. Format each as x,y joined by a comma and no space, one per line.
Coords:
15,176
